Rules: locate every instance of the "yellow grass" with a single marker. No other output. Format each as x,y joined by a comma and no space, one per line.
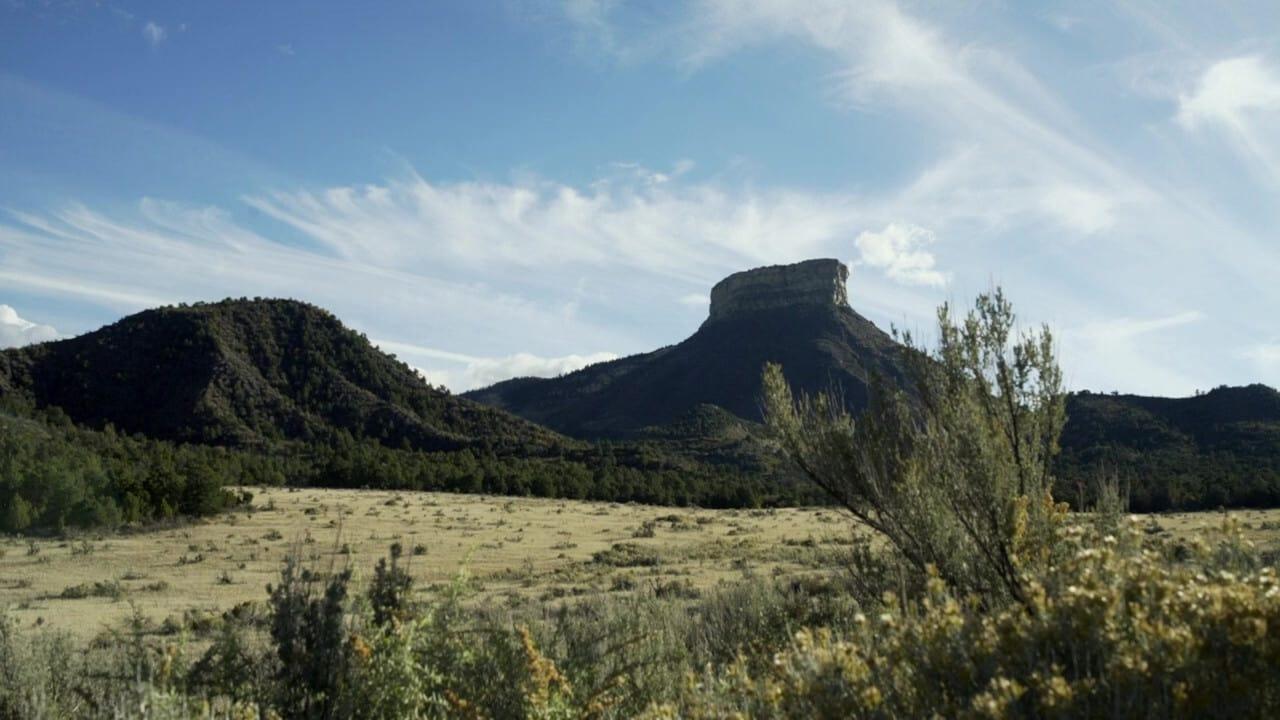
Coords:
516,550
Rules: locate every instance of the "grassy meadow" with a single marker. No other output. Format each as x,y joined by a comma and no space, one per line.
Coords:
516,552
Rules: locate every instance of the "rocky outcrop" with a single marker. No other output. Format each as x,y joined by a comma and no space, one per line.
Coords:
808,283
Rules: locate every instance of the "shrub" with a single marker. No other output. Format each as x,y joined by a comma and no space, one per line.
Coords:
953,470
310,635
389,591
111,589
1114,630
626,555
230,667
37,673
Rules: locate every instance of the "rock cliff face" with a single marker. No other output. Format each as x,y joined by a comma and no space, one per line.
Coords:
809,283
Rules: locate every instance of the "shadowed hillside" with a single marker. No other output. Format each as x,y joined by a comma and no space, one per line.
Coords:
1219,448
796,315
248,373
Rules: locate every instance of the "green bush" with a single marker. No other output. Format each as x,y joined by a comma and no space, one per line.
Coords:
310,633
1117,629
952,464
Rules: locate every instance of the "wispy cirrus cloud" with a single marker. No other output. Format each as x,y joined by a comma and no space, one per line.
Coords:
690,232
1009,148
1131,346
461,372
1264,355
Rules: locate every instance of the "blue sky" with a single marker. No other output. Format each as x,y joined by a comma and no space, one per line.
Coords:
499,188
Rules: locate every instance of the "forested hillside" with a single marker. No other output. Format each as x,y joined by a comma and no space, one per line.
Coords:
55,475
249,373
1221,448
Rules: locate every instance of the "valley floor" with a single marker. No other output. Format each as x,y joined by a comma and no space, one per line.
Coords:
513,550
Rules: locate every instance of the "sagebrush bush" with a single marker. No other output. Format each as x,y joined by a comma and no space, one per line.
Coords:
1117,629
951,464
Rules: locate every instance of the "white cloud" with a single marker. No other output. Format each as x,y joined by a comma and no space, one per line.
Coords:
154,33
1128,353
1240,96
437,378
487,371
1265,355
1228,91
16,332
689,231
1065,23
1079,209
468,372
698,300
1128,328
898,251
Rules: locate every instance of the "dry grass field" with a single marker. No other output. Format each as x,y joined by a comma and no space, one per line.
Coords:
513,550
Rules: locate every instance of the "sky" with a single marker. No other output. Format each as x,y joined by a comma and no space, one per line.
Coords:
498,188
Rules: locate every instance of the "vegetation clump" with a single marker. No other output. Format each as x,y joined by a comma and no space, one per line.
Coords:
953,467
1116,629
627,555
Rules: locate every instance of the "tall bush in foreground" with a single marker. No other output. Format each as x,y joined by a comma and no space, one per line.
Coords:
1118,628
952,467
309,628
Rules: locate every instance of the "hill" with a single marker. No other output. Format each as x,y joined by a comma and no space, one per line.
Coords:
250,373
1215,449
797,315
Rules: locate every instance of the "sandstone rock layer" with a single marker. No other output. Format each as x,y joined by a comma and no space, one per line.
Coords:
809,283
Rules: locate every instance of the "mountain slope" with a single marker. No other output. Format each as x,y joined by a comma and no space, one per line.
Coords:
249,373
1219,448
796,315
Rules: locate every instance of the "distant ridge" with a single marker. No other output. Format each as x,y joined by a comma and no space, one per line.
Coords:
1220,448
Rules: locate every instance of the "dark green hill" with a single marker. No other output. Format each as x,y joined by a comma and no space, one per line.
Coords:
1219,448
796,315
250,373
